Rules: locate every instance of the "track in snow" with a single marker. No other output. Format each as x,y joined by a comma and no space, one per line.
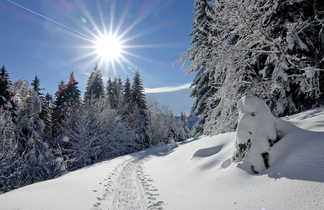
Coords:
128,188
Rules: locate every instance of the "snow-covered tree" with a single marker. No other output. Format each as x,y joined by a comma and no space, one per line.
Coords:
67,101
118,91
96,133
5,92
114,92
163,126
139,112
199,55
36,86
8,151
95,87
30,159
268,48
127,106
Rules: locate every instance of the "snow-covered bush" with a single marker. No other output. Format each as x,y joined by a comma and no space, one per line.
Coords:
256,132
261,139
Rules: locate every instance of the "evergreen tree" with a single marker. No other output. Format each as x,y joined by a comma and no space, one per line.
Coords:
126,102
67,101
36,86
118,91
46,110
138,96
200,55
140,112
34,161
95,87
5,95
127,94
46,114
72,93
112,94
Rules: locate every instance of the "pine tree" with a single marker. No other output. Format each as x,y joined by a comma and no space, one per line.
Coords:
46,114
67,102
95,87
73,94
138,96
126,102
46,111
112,93
140,112
119,90
36,86
200,55
5,95
127,94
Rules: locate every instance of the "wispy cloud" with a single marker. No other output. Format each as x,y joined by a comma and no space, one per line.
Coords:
167,89
49,19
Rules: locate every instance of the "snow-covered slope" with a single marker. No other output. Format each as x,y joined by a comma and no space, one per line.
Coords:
195,175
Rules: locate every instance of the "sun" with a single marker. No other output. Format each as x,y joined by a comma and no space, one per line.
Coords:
108,48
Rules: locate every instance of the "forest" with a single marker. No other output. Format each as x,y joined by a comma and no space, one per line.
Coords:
44,137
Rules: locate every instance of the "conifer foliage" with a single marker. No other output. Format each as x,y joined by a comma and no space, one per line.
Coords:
95,87
5,94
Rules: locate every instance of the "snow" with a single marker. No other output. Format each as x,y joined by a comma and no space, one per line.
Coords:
195,174
256,127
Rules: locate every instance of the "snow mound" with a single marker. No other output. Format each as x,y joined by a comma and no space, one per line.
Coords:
256,133
263,140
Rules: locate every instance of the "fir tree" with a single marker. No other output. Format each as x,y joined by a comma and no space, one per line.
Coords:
36,86
127,94
95,87
200,55
140,112
72,93
46,114
5,95
112,94
67,102
118,91
126,101
138,96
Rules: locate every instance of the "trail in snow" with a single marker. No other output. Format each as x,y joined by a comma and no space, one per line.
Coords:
128,188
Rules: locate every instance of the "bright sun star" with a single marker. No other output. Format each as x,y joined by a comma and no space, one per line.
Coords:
108,48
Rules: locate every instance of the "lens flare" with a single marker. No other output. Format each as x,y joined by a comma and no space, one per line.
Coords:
66,139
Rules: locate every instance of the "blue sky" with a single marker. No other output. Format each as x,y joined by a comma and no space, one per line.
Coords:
43,38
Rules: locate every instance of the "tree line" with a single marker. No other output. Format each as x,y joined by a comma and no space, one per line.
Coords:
42,136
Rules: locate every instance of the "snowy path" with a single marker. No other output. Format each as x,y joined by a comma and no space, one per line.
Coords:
128,188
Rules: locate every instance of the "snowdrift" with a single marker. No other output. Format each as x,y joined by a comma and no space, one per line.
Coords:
200,173
263,141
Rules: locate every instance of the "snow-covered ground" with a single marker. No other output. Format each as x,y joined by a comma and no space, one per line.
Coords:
195,175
